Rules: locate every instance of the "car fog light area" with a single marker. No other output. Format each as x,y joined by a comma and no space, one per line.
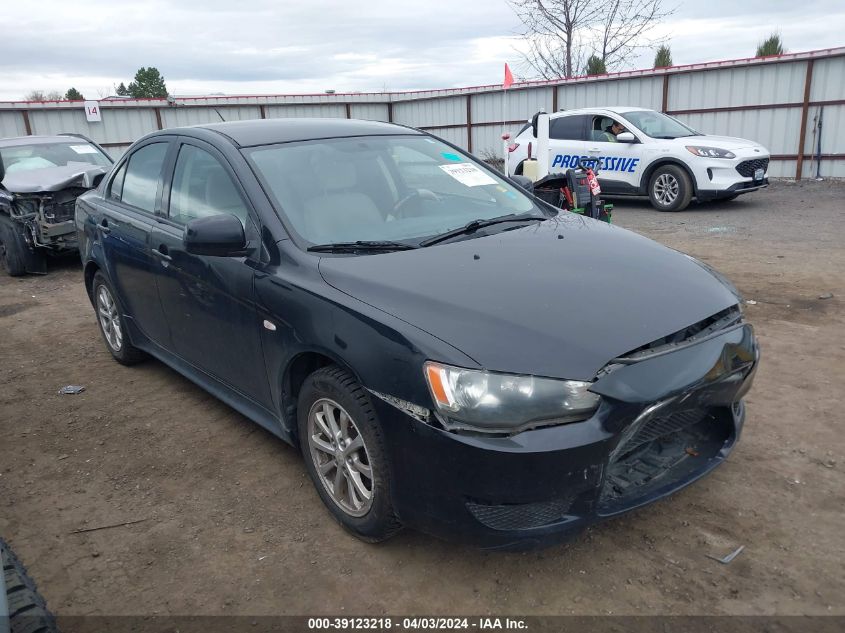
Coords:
503,403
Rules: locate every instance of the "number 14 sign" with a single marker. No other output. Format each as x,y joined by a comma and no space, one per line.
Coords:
92,111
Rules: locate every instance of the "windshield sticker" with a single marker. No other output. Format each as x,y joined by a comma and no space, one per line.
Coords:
606,163
468,174
84,149
450,156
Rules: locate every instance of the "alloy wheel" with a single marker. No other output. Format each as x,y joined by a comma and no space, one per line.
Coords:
109,318
666,189
340,457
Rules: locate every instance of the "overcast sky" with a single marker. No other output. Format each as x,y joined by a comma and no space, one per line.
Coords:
274,46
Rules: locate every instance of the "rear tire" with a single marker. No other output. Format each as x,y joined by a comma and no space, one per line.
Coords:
335,415
112,324
28,611
670,188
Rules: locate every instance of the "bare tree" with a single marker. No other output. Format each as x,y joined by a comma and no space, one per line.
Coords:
554,30
562,34
40,95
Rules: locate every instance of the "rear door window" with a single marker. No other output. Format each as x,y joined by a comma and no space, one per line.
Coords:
568,128
143,177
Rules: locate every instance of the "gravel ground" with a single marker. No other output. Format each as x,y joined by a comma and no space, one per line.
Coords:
223,519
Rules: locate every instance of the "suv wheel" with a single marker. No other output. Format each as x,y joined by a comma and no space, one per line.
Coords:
112,324
343,446
669,188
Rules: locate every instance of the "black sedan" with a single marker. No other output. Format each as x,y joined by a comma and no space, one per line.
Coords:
448,352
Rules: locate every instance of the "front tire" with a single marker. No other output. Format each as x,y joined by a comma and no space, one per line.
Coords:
12,256
28,611
344,450
112,324
670,188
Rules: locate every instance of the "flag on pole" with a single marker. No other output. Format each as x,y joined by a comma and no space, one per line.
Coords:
508,78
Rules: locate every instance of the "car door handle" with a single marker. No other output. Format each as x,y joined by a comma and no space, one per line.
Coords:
104,227
161,255
594,150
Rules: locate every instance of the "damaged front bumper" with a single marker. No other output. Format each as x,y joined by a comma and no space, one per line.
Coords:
48,219
665,420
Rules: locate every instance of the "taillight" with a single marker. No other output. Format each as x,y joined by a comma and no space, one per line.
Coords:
512,147
529,150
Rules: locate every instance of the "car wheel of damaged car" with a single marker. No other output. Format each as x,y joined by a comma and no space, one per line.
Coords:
11,256
343,447
112,325
670,188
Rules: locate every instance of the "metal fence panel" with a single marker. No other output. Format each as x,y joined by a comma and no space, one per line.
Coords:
370,111
828,79
487,141
518,104
184,115
445,111
455,135
11,124
327,110
117,126
832,141
644,92
730,87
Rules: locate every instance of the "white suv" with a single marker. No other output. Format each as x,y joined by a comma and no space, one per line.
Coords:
642,152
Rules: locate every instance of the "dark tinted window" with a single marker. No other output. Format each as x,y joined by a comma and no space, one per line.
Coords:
202,187
116,188
568,128
143,176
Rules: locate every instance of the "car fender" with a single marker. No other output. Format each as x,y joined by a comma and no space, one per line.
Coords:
303,314
666,160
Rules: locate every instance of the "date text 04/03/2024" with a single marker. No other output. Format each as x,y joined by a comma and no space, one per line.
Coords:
417,623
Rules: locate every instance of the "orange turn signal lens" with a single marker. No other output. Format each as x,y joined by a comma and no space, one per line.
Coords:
437,382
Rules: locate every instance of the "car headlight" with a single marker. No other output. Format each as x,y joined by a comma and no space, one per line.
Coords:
504,403
710,152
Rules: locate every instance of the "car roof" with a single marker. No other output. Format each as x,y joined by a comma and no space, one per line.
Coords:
271,131
15,141
612,109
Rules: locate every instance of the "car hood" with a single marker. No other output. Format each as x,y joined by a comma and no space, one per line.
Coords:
52,178
529,301
721,142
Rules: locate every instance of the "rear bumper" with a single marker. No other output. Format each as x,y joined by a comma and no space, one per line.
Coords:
541,486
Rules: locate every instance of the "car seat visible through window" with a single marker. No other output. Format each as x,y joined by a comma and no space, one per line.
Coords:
340,211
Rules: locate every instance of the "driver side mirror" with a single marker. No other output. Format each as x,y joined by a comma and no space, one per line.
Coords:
626,137
523,181
217,235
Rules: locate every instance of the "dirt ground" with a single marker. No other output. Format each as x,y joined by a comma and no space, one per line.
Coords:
227,522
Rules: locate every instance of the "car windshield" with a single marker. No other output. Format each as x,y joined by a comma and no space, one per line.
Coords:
382,188
60,154
658,125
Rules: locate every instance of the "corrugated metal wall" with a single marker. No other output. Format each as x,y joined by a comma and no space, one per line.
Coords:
763,100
